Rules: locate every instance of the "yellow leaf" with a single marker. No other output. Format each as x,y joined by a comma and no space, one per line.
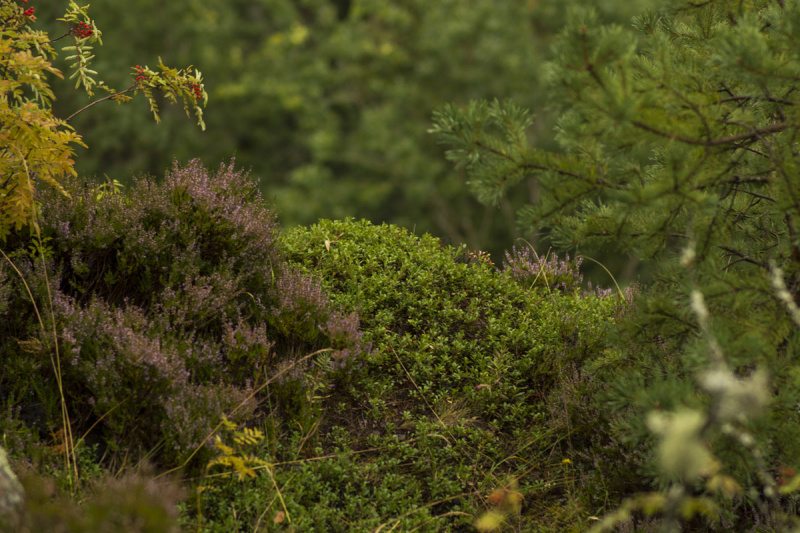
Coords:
489,521
726,484
227,450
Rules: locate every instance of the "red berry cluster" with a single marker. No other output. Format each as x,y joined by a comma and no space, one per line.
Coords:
28,12
141,76
83,30
197,91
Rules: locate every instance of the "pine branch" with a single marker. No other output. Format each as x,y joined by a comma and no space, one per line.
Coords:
772,128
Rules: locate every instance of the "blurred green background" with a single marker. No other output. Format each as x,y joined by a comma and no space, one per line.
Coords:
328,102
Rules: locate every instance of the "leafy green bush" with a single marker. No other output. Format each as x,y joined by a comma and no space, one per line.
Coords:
451,403
447,326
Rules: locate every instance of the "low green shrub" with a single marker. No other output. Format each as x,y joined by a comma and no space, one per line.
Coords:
456,330
452,403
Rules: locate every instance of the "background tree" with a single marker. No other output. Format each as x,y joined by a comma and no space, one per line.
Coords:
328,101
678,143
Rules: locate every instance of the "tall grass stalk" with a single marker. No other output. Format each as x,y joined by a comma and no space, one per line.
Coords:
70,462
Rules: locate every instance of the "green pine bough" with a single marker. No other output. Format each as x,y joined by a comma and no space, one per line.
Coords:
678,143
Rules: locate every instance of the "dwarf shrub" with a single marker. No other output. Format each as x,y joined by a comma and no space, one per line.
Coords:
446,321
452,399
172,304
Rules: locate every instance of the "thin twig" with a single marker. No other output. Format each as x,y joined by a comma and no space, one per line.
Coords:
109,97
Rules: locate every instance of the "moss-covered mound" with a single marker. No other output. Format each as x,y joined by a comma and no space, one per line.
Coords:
444,331
450,406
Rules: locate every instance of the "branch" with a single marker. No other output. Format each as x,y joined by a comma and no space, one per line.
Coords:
772,128
751,179
109,97
59,38
531,166
768,98
751,193
576,175
742,257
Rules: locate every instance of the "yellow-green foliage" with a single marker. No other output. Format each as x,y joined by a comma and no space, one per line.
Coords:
35,144
240,463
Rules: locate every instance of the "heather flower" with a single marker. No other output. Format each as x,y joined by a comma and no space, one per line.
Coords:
346,337
598,292
125,360
531,270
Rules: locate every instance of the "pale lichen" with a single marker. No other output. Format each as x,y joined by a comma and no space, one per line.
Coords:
12,496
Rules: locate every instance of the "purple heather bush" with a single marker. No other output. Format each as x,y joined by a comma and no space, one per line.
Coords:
346,338
121,358
172,303
599,292
531,270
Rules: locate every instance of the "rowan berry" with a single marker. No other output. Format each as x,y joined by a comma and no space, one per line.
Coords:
140,72
84,30
198,93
